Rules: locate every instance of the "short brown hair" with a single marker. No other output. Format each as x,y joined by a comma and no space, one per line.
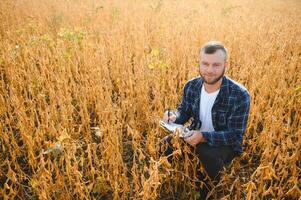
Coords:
212,46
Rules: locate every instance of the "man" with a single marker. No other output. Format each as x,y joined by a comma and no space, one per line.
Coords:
219,107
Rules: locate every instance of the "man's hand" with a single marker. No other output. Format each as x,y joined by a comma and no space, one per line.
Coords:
169,116
195,138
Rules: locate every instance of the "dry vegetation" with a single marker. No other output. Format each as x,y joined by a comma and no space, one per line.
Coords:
84,83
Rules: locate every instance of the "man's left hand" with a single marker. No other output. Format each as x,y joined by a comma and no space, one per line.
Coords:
195,138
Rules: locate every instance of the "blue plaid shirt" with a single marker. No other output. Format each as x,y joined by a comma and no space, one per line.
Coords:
230,112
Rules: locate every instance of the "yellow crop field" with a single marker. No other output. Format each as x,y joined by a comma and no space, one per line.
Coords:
83,85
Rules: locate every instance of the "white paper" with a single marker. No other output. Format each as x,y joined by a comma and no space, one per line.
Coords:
170,126
184,132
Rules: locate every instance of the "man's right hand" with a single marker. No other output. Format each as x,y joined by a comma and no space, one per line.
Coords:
169,117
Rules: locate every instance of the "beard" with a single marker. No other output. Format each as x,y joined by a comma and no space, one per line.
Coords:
214,80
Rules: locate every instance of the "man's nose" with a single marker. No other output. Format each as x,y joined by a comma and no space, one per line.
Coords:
210,69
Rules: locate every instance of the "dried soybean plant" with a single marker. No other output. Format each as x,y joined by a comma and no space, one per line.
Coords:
83,86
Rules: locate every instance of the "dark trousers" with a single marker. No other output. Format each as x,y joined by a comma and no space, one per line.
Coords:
213,160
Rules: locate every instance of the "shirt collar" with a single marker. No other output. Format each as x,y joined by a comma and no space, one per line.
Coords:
224,89
225,86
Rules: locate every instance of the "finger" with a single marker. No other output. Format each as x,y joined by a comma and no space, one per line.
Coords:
190,135
191,142
188,139
165,117
169,118
172,117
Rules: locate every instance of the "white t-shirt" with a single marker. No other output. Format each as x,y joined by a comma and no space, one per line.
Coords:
206,104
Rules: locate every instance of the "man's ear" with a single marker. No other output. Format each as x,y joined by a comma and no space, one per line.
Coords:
226,63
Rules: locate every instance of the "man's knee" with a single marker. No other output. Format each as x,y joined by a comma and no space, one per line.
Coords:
202,149
209,159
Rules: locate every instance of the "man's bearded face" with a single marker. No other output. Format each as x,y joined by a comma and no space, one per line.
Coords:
212,66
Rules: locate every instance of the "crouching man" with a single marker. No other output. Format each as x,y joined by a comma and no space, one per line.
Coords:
219,108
